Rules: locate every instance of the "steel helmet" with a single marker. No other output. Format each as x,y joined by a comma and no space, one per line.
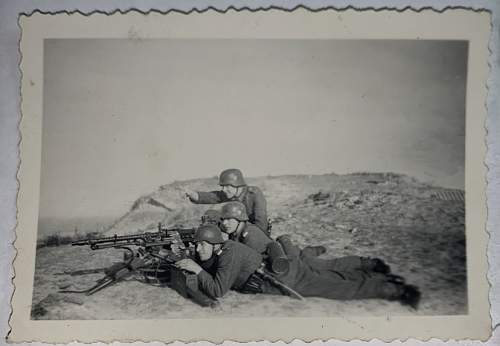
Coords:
232,177
209,233
234,210
211,216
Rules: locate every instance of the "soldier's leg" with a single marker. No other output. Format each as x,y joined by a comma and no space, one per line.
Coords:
357,285
333,285
348,263
334,264
291,250
353,284
375,285
342,263
313,251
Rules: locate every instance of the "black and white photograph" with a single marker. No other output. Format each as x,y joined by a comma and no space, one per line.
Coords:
208,178
336,188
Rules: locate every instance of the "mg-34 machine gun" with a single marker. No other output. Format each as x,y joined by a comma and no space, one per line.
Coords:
153,255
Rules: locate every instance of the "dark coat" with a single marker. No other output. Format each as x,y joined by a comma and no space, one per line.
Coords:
253,237
230,269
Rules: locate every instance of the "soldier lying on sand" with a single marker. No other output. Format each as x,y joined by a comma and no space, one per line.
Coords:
234,188
225,265
234,223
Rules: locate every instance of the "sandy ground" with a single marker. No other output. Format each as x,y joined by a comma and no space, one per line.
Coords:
379,215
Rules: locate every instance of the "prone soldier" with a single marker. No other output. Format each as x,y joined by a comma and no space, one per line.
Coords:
234,188
225,265
336,264
234,223
234,220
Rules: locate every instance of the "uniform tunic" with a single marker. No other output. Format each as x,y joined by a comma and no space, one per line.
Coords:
230,269
253,199
253,237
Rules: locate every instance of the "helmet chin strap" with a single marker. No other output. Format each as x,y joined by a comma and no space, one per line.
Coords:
217,249
238,230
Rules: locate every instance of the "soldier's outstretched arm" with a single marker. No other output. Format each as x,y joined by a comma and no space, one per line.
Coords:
191,195
212,197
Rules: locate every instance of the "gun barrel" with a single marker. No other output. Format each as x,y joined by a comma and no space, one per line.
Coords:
137,239
80,243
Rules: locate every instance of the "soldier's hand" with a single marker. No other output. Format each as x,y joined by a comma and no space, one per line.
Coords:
189,265
192,195
163,252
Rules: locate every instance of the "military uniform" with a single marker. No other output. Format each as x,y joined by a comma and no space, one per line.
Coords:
235,265
253,237
253,199
229,269
341,285
345,263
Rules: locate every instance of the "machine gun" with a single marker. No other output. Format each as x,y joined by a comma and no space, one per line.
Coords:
163,237
152,254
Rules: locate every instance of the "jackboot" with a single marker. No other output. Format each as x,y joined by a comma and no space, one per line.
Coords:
408,295
375,265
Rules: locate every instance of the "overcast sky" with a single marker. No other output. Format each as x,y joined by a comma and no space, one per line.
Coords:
122,117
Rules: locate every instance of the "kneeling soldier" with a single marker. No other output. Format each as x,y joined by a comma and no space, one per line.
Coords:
234,188
234,220
231,265
235,224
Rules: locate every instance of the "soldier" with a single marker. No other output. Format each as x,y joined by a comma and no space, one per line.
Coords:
226,265
234,188
234,223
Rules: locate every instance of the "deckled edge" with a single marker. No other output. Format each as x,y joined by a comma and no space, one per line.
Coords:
492,44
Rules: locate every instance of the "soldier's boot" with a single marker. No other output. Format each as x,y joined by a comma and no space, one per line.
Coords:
411,296
396,279
375,265
313,251
291,250
408,295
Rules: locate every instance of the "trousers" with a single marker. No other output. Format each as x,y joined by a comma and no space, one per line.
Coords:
341,285
341,278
